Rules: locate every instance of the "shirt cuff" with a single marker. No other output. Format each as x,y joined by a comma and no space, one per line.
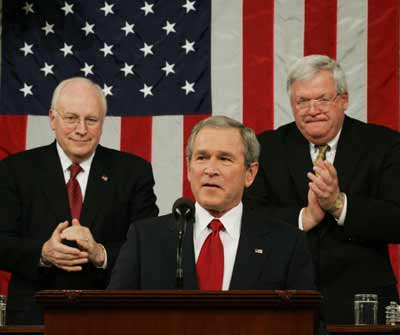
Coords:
342,216
300,221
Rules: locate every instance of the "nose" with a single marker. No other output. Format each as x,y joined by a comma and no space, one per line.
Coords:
211,168
81,127
313,108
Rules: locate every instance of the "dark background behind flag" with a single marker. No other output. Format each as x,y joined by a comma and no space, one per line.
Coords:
164,65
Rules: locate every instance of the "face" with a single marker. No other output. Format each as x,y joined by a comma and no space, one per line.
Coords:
78,120
318,124
217,172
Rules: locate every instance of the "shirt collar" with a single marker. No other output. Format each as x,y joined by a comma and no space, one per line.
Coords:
332,143
231,219
66,161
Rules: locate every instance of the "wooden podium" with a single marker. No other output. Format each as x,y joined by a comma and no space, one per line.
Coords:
180,312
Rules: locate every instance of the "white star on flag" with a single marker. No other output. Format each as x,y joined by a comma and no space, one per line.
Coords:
28,8
88,28
107,90
107,8
147,49
67,8
27,49
147,8
87,69
47,69
169,27
188,46
146,90
48,28
27,89
128,28
168,68
107,49
189,5
67,49
127,69
188,87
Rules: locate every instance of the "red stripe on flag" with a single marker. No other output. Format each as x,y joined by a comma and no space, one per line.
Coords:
383,63
383,76
188,123
136,133
12,134
258,67
320,27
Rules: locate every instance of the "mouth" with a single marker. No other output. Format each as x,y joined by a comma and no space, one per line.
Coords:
211,186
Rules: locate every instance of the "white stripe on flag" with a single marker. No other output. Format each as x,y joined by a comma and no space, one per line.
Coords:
167,158
352,53
226,58
111,136
288,46
38,131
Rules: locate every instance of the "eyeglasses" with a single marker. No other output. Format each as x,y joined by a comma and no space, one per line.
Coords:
72,120
323,102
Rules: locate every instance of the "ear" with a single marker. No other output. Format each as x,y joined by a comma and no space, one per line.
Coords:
52,118
345,101
251,173
188,171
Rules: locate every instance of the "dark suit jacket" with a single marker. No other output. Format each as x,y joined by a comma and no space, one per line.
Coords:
34,201
148,258
353,258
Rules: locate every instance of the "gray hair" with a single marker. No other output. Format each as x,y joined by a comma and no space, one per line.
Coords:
250,142
307,67
62,84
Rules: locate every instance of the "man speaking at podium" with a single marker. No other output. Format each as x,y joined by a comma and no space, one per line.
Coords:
228,246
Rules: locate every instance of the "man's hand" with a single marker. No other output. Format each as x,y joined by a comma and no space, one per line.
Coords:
324,183
85,241
313,214
60,255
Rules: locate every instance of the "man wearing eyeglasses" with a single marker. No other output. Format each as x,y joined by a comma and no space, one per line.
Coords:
338,179
66,207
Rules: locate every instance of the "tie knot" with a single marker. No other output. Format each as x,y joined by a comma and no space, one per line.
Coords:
216,225
322,150
74,170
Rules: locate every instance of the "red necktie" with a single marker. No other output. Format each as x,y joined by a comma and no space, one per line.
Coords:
210,264
74,192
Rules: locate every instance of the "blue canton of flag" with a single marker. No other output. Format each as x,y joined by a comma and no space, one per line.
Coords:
149,57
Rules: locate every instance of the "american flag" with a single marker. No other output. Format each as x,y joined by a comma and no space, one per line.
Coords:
166,64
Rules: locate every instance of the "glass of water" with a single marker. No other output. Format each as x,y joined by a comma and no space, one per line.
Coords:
3,310
366,309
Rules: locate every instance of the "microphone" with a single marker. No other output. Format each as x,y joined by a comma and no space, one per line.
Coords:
183,210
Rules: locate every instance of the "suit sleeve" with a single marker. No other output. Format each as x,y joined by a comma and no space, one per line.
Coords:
125,274
301,271
17,254
375,215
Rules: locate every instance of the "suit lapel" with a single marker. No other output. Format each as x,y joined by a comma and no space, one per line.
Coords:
99,188
251,253
51,178
298,161
349,151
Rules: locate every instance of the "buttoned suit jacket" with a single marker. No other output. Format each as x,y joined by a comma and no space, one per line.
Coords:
270,255
34,201
352,258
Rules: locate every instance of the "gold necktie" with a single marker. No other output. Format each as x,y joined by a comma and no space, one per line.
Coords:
322,150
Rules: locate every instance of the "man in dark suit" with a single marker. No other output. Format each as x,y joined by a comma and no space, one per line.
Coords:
248,249
348,201
111,190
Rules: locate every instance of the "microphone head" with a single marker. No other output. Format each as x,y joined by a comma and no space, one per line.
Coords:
183,207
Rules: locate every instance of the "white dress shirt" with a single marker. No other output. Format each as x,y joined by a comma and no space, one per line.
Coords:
330,157
232,221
